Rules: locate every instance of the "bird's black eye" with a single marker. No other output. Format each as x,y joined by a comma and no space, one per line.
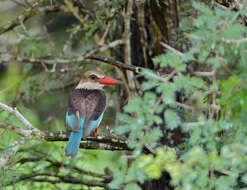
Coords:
92,76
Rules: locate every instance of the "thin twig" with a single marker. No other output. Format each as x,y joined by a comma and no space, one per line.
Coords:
194,124
213,110
184,106
68,42
102,40
220,6
163,79
114,62
237,42
172,49
204,74
223,63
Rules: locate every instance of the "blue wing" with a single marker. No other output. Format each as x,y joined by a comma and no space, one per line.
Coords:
75,136
92,125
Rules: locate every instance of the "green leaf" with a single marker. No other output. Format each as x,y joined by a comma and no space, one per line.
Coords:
132,186
172,119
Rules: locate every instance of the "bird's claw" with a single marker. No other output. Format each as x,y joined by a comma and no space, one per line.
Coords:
95,132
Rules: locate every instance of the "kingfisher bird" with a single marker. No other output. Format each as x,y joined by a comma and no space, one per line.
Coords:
86,107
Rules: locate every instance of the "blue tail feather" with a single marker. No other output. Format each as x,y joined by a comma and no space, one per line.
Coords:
75,136
74,143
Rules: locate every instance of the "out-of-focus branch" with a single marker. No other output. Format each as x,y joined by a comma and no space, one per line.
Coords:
114,62
130,85
71,180
171,49
6,57
21,18
26,133
68,42
141,24
57,164
14,128
15,112
112,44
49,178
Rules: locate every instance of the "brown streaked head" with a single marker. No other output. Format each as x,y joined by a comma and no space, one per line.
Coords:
95,80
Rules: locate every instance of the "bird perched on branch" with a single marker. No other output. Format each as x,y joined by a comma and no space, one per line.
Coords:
86,107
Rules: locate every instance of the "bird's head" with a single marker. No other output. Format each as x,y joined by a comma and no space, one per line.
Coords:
95,80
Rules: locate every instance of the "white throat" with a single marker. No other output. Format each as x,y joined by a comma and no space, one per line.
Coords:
89,85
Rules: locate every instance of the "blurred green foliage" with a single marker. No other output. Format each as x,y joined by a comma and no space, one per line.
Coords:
214,156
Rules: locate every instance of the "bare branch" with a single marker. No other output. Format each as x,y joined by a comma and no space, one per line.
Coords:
104,48
204,74
100,142
160,78
7,57
15,112
27,133
185,106
114,62
194,124
171,48
14,128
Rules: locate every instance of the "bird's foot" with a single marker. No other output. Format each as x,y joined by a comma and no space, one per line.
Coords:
95,132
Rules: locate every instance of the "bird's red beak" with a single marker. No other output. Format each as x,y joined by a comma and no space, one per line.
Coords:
108,81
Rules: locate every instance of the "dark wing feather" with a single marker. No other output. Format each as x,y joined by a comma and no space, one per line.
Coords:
89,103
95,103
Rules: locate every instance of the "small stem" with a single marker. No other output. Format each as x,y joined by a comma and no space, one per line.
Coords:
171,48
